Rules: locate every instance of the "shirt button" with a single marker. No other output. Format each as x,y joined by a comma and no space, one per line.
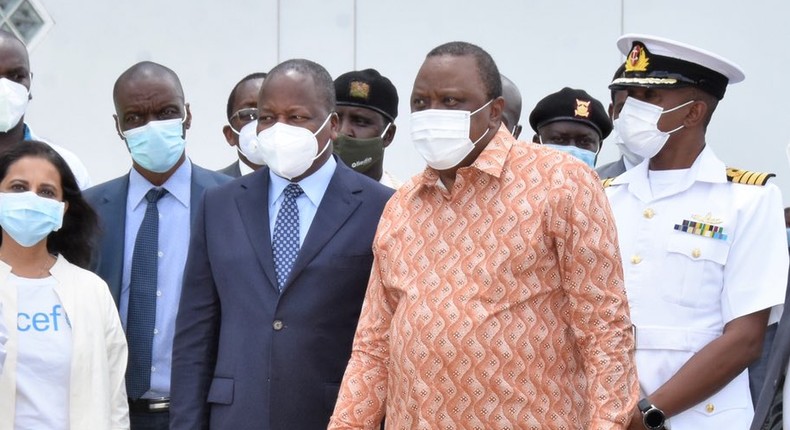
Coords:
636,259
277,325
156,331
160,254
710,408
158,293
153,369
696,253
649,213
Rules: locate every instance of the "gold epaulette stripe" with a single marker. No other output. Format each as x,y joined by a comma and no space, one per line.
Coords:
748,177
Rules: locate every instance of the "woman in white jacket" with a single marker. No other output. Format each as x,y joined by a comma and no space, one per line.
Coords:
66,360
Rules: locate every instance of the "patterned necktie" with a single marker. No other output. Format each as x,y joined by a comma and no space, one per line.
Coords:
141,315
285,243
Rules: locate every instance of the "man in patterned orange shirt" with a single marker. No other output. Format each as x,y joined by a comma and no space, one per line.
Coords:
496,298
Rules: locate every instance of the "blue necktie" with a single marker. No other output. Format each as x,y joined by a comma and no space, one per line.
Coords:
141,315
285,244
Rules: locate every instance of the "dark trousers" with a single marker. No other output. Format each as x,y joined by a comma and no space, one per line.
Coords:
150,420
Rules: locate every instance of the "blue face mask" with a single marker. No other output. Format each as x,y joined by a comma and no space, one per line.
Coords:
158,145
29,218
582,154
788,237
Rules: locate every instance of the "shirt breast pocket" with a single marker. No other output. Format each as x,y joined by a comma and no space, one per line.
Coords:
694,270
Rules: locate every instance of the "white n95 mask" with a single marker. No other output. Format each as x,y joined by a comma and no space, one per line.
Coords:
442,136
248,143
13,103
637,125
289,150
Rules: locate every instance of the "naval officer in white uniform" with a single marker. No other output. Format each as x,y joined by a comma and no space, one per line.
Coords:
703,252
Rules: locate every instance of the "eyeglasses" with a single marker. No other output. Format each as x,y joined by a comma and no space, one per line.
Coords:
245,116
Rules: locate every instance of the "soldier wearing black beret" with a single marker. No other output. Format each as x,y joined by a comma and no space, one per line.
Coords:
571,120
367,105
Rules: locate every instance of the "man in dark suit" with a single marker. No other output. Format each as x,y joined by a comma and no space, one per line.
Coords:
769,407
278,266
152,118
242,109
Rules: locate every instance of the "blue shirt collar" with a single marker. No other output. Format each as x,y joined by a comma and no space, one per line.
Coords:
314,186
179,184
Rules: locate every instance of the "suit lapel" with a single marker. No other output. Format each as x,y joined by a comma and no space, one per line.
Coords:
114,219
337,205
253,205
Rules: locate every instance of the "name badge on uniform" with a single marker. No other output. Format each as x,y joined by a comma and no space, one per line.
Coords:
703,226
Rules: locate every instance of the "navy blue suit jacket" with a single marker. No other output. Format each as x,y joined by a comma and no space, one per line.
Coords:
246,356
109,201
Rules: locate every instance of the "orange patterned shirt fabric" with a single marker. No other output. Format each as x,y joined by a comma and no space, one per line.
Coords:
498,304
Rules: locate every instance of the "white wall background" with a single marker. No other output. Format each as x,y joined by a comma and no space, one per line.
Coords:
542,45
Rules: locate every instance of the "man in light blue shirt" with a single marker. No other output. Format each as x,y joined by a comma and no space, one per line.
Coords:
151,118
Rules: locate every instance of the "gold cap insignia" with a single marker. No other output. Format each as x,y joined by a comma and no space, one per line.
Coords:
637,60
582,108
359,90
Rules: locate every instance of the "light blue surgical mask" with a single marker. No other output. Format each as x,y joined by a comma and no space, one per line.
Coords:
29,218
582,154
158,145
788,237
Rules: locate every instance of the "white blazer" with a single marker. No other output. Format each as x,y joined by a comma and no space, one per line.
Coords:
98,365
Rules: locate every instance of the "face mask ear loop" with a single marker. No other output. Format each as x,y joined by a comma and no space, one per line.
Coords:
381,136
678,107
481,107
324,123
481,137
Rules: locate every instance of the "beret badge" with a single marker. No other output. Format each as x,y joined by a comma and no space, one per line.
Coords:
359,90
582,108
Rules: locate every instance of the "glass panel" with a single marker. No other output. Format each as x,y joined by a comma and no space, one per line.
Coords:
27,21
7,28
7,5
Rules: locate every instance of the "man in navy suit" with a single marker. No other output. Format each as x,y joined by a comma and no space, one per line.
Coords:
152,119
262,341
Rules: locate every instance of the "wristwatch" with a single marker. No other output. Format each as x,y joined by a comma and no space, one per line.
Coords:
652,417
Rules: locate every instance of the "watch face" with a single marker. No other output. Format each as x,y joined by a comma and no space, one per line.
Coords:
654,419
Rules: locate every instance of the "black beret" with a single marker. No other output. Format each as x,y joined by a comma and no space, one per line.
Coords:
654,62
368,89
569,104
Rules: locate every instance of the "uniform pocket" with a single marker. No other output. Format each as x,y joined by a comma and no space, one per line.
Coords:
695,265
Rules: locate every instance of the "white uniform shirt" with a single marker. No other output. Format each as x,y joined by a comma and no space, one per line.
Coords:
683,288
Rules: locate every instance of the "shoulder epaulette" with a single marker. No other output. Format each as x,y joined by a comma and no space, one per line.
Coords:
606,182
748,177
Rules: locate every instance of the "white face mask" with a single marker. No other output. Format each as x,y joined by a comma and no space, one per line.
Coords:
288,150
637,125
442,136
630,157
13,103
248,143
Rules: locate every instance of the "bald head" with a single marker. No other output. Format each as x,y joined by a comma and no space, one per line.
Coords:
146,71
9,41
323,85
512,112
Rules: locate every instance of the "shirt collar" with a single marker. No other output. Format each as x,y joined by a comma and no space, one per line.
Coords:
179,184
490,161
707,167
314,186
